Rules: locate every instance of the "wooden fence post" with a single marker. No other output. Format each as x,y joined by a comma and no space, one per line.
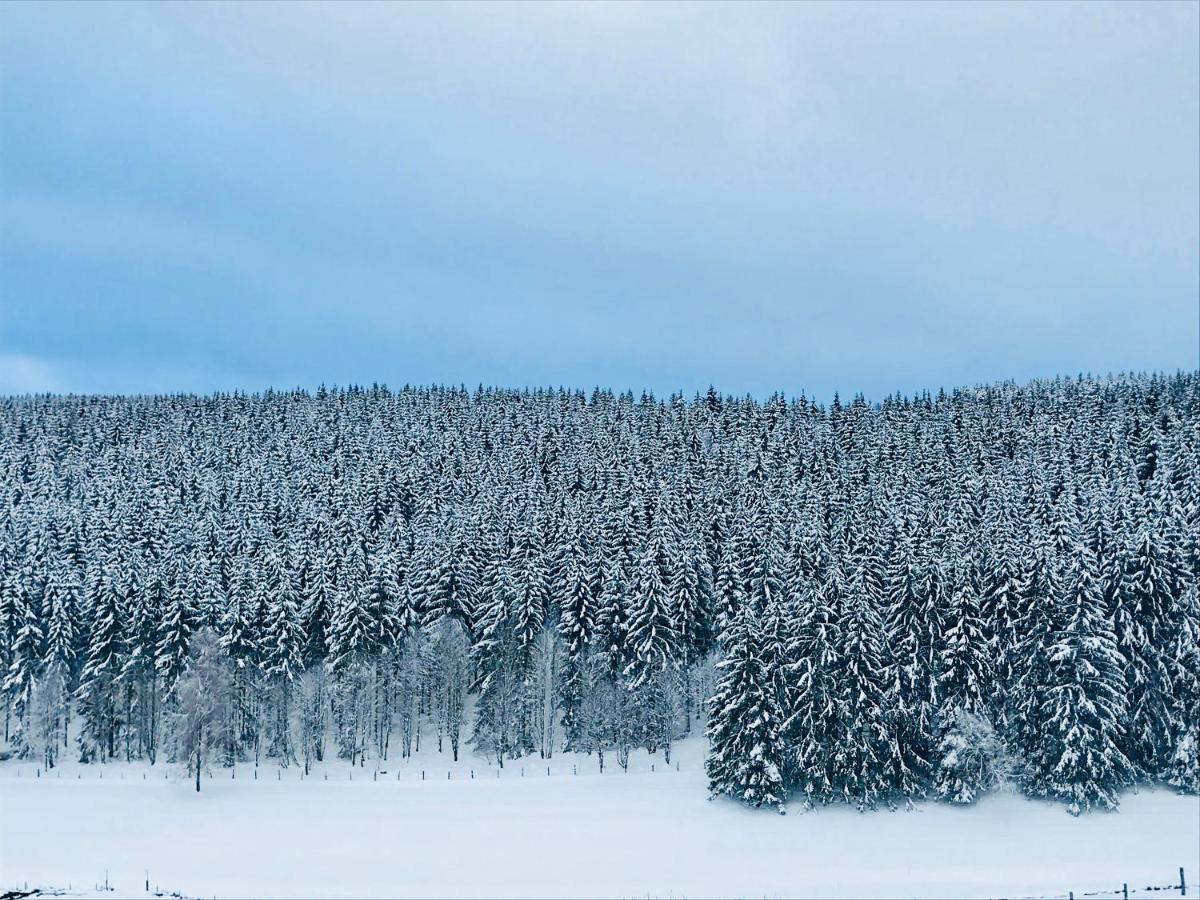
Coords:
1182,883
1125,889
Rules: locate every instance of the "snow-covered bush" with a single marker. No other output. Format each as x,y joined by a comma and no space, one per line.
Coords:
972,759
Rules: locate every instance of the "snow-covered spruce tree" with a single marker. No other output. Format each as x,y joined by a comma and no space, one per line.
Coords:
532,583
1000,607
965,657
612,615
97,691
866,755
25,666
139,674
1080,758
353,644
689,595
176,626
58,665
312,697
577,623
1024,713
912,628
814,662
651,636
283,640
1184,767
8,617
969,755
746,754
1147,617
501,661
240,630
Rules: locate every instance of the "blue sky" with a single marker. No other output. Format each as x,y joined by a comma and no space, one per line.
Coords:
796,197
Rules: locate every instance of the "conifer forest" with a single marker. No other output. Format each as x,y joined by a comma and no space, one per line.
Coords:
857,603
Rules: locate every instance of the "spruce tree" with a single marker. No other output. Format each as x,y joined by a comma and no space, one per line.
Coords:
1080,758
746,754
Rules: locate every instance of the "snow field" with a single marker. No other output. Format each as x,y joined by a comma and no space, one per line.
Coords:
614,835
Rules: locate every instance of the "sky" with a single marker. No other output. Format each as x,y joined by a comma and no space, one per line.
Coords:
794,197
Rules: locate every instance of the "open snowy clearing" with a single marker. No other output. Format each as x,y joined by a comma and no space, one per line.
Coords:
613,835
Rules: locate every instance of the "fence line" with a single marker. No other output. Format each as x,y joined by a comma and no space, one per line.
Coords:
566,770
1124,891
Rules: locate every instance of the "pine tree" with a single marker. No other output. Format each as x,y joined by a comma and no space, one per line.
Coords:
816,709
281,662
25,666
1080,759
175,630
1149,595
577,624
98,681
913,631
317,610
690,598
1184,767
651,637
865,757
745,758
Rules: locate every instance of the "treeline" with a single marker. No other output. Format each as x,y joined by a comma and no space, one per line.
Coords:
922,597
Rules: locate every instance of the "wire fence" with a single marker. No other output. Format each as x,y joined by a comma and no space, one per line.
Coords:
295,772
1124,891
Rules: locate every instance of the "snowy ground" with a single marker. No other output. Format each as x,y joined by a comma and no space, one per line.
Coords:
613,835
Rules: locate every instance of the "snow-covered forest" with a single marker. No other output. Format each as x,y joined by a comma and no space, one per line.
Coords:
858,603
